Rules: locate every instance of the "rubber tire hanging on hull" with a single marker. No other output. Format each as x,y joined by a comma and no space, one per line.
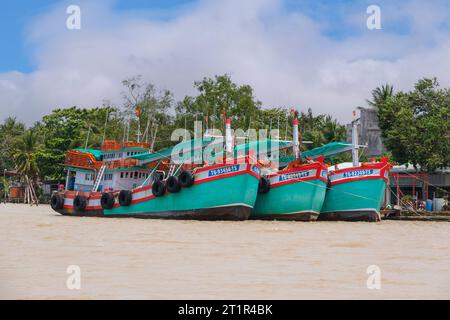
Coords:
107,201
186,179
125,197
57,202
79,203
172,185
264,185
158,188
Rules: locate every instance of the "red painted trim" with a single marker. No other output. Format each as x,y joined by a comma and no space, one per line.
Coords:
87,197
304,167
141,189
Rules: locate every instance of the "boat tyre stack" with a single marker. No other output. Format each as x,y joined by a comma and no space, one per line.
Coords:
264,185
125,197
107,201
79,203
57,201
158,188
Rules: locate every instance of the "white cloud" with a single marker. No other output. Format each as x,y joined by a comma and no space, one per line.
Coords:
283,55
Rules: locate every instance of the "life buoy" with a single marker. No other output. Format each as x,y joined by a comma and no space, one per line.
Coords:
79,203
264,185
57,201
186,179
125,197
158,188
108,200
172,185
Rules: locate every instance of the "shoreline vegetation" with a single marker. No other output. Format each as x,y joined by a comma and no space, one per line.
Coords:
415,126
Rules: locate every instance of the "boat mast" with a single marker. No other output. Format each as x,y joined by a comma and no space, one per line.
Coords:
228,138
296,139
355,153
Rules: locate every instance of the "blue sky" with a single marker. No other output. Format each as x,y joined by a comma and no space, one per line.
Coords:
315,54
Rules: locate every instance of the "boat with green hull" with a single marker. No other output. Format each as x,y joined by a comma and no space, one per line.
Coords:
120,181
356,193
294,194
221,192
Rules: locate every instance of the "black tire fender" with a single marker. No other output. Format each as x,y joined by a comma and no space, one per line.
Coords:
264,185
108,200
79,203
158,188
186,179
172,185
125,197
57,201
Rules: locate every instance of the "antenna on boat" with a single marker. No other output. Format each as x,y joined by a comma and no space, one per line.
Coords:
296,138
355,154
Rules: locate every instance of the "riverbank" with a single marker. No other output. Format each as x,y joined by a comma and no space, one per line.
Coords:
443,216
160,259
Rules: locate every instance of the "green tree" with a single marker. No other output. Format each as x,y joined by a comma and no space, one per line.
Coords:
70,128
219,98
148,112
10,131
380,95
416,125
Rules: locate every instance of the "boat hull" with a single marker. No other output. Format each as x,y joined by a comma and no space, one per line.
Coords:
296,194
224,192
356,194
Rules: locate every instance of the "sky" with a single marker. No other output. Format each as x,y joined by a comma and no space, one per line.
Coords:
315,54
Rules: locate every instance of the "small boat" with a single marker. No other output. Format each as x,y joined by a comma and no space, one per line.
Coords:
356,190
125,180
296,192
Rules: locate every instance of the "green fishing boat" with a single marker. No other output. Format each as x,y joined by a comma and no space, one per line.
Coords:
296,192
120,181
356,191
293,194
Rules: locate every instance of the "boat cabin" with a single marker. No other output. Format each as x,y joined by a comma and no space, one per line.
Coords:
111,168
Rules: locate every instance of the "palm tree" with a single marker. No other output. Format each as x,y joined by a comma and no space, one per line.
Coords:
24,155
333,131
380,95
10,130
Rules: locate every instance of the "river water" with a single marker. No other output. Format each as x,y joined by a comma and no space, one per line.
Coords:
160,259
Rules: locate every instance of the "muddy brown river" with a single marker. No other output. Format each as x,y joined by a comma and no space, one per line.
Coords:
46,256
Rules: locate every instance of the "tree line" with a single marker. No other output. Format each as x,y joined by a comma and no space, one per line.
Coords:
415,124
